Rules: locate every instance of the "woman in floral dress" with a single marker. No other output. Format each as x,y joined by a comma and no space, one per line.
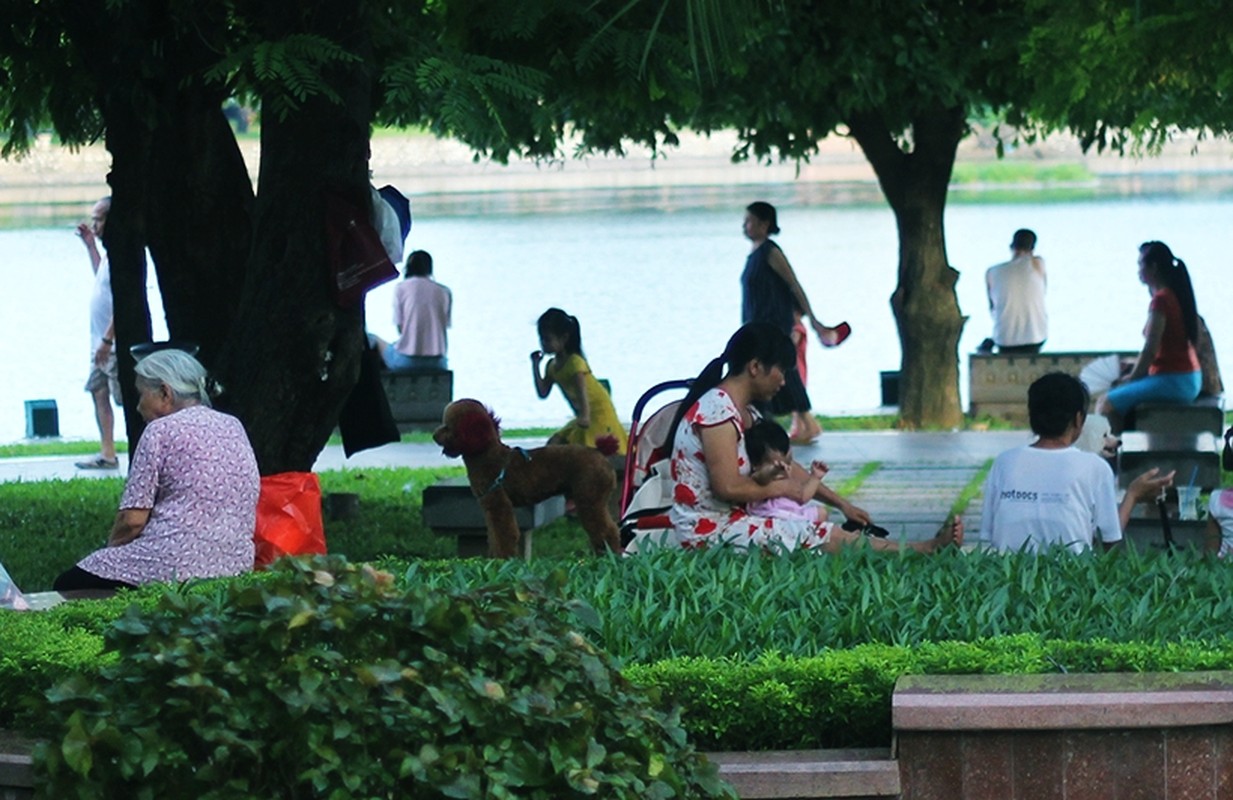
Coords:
190,503
711,469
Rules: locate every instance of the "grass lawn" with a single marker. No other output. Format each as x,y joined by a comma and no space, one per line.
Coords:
47,526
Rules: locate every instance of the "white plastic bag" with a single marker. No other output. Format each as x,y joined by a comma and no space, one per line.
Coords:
10,595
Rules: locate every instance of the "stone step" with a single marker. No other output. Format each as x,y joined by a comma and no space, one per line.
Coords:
1180,418
1190,454
857,773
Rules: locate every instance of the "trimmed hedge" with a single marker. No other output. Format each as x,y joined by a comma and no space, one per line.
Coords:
327,680
795,651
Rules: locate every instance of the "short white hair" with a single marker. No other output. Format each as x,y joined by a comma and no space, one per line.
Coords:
178,371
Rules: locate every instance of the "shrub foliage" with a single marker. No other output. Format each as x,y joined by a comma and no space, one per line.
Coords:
328,681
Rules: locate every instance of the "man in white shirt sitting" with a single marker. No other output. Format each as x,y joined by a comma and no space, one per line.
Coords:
1017,298
1050,494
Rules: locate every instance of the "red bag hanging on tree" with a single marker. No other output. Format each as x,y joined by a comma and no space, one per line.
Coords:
288,517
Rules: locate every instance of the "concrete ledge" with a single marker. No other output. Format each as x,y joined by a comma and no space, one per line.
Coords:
1058,702
16,772
865,773
417,399
998,384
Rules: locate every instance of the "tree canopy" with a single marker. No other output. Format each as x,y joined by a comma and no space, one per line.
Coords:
247,274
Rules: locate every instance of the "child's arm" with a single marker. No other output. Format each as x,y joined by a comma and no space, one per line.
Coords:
824,494
584,404
543,385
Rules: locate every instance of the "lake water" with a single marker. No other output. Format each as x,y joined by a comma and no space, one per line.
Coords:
657,294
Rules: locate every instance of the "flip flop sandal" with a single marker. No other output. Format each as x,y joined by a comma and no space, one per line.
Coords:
98,462
844,330
876,531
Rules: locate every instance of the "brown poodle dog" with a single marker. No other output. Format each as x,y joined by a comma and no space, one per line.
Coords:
503,477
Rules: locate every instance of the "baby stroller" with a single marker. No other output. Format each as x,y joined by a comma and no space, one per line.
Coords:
646,490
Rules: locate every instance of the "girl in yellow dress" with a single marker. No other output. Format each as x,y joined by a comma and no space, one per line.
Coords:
595,421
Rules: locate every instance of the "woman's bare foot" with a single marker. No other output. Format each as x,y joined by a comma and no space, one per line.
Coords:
804,429
950,534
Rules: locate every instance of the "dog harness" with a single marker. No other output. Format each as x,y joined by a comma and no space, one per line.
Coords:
500,479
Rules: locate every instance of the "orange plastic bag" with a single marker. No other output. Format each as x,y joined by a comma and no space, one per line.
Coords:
288,517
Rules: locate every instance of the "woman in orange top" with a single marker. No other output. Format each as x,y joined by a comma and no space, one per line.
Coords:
1167,370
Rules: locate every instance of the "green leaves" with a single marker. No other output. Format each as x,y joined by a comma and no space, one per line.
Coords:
262,691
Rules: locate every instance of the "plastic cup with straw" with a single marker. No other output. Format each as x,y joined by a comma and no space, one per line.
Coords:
1188,498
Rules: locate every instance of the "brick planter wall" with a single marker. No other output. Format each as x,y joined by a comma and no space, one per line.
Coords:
1070,737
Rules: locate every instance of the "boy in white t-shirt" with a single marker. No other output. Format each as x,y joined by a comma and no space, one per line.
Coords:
1050,494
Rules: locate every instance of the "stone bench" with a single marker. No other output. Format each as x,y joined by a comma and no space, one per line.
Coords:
418,399
1190,454
450,509
1205,414
1026,737
998,384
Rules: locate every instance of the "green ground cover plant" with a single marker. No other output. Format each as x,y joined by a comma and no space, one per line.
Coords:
765,652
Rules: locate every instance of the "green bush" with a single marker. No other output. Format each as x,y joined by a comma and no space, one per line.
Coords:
328,681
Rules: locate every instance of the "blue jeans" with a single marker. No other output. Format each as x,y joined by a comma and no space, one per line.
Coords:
1165,387
398,362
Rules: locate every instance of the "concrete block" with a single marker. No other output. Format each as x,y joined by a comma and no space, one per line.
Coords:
42,419
417,399
1189,454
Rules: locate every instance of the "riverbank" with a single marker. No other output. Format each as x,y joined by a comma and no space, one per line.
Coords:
53,184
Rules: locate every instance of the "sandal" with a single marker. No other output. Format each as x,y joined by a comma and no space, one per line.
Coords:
98,462
876,531
842,331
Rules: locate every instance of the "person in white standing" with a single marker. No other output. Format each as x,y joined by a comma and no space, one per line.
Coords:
1050,494
104,381
1017,298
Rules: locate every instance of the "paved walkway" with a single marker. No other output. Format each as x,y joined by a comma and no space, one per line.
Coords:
920,477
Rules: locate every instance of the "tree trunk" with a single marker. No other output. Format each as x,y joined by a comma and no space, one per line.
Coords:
294,355
179,184
925,305
125,238
200,206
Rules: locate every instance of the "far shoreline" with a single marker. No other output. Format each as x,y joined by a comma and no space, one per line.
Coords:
53,185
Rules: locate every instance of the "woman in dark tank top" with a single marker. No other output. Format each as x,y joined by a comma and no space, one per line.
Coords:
770,293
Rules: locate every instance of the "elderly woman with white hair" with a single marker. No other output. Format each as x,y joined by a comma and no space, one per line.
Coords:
189,505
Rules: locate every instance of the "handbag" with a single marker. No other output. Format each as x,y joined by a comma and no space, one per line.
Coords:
358,259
